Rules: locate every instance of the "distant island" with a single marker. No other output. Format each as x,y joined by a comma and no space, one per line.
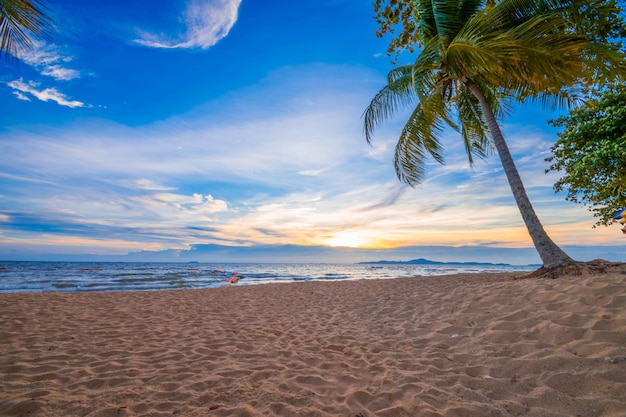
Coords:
422,261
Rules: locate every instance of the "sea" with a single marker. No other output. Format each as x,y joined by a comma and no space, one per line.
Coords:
135,276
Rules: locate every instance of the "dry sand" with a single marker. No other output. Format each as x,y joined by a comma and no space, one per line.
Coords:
462,345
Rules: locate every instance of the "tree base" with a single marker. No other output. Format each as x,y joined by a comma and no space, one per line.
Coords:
595,267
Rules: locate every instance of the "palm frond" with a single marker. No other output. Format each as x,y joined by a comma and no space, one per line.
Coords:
412,151
476,137
500,99
18,20
551,60
450,15
528,48
481,46
426,25
519,11
398,94
474,57
557,100
399,72
425,70
420,138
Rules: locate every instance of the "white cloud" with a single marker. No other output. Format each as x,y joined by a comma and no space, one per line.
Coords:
48,60
144,184
59,73
182,206
265,166
20,178
313,172
21,96
47,94
380,150
206,23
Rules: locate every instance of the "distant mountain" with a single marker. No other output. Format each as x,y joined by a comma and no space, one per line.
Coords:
422,261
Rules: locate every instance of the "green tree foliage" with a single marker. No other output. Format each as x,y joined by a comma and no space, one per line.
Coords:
19,21
394,14
474,57
400,19
591,154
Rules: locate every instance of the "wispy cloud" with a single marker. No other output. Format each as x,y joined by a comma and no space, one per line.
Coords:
196,206
313,172
206,23
50,61
47,94
60,73
272,173
25,179
145,184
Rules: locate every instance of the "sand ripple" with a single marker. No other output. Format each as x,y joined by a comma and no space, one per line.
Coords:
473,345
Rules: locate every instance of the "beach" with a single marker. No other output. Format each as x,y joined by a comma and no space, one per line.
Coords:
468,345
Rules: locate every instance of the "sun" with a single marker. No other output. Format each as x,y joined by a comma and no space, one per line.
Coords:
348,239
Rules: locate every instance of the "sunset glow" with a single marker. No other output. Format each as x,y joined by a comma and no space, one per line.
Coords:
246,131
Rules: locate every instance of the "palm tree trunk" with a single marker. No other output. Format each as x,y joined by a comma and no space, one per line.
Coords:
550,254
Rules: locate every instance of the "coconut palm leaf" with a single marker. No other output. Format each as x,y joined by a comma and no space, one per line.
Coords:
19,20
396,95
420,138
474,131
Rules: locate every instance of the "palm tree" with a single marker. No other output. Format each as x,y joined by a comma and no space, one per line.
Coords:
475,57
18,20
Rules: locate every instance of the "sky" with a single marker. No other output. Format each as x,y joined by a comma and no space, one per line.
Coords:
196,124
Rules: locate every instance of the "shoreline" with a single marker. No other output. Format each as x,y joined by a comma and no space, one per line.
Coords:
448,345
90,277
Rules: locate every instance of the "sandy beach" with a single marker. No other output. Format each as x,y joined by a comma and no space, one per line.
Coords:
460,345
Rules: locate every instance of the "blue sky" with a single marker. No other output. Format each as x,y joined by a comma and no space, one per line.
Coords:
238,123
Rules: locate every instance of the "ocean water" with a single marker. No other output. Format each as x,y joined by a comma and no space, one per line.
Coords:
135,276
